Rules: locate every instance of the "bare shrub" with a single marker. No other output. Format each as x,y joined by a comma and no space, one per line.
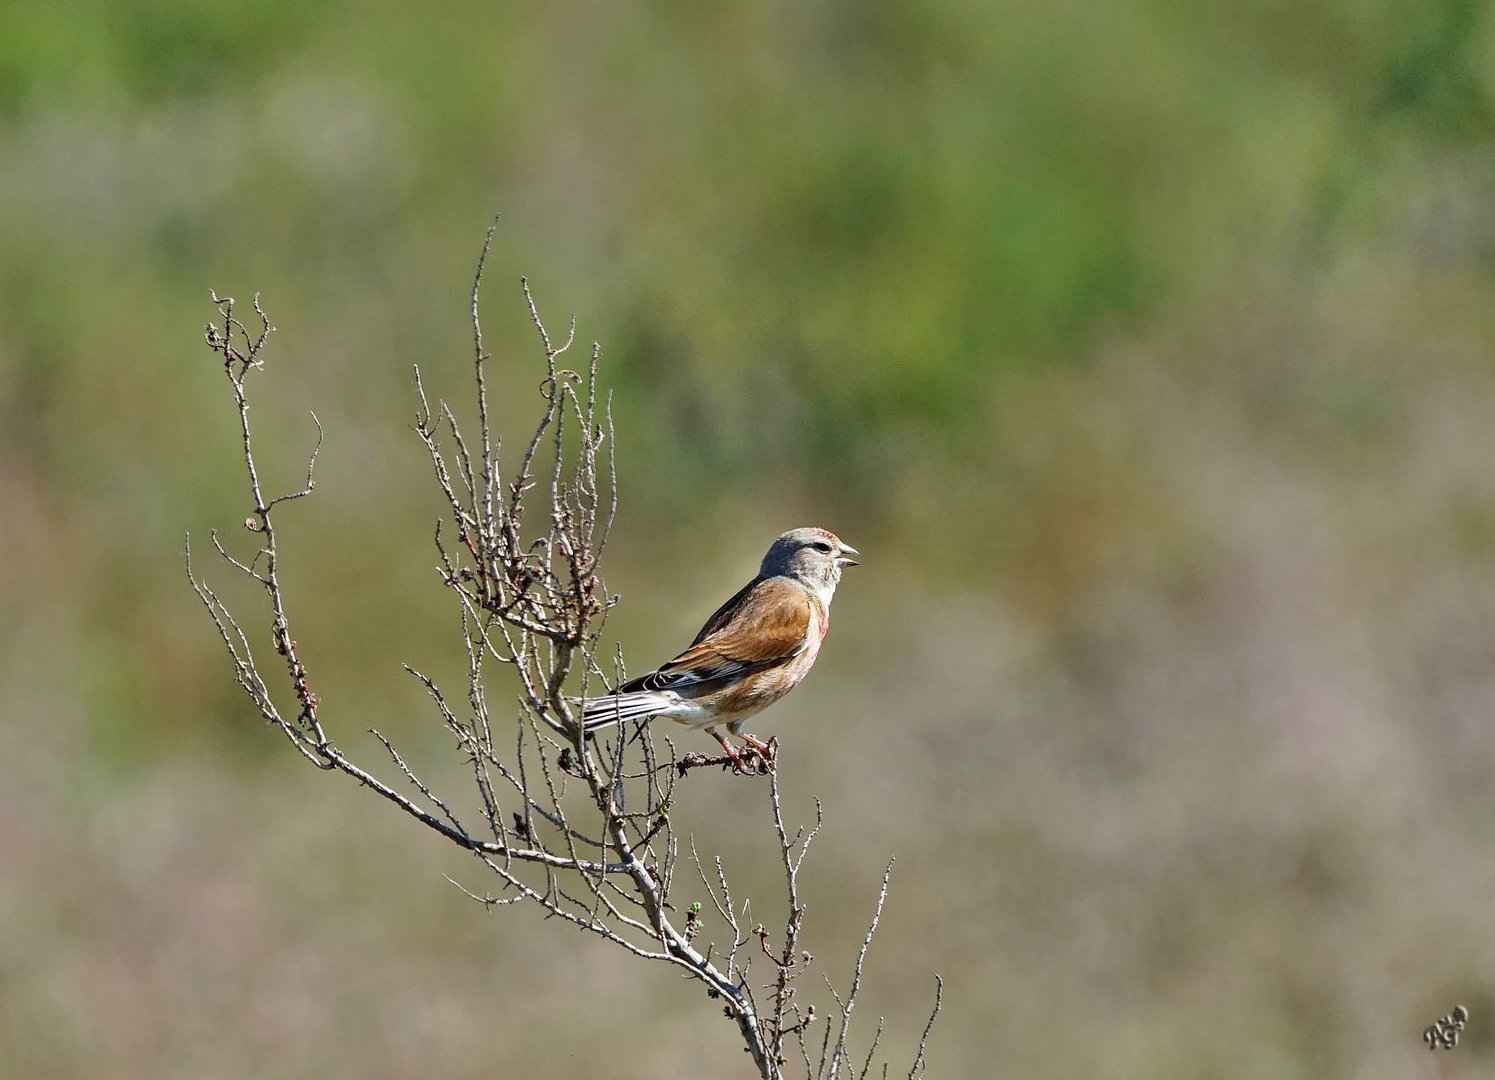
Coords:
574,826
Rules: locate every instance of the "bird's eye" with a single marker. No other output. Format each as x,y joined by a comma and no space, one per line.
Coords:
821,545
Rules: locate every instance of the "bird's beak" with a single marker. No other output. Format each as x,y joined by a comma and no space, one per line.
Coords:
842,560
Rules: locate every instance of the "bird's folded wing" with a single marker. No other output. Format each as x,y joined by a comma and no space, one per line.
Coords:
767,623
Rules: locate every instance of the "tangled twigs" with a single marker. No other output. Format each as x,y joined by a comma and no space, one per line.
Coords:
583,829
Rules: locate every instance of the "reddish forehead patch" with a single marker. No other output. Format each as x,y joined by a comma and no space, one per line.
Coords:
825,533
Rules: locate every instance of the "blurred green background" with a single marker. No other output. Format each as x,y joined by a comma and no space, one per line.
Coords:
1145,351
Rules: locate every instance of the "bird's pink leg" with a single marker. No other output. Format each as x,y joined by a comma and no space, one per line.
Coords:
731,751
766,750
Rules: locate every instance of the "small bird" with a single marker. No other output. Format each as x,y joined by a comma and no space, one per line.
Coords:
751,652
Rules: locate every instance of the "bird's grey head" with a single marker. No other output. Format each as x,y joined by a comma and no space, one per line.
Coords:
813,557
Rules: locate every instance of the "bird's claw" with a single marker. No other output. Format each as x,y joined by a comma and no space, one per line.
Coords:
768,751
747,761
754,759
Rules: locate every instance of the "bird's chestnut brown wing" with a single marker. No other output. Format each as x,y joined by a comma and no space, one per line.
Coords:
766,623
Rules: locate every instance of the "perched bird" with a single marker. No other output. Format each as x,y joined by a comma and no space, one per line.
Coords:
753,651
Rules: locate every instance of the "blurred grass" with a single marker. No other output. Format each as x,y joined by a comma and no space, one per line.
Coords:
1146,352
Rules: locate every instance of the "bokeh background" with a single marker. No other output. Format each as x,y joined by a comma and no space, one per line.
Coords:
1147,351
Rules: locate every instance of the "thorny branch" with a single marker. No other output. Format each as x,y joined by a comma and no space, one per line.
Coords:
579,827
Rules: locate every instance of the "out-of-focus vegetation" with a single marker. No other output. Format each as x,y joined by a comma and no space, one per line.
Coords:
1147,351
